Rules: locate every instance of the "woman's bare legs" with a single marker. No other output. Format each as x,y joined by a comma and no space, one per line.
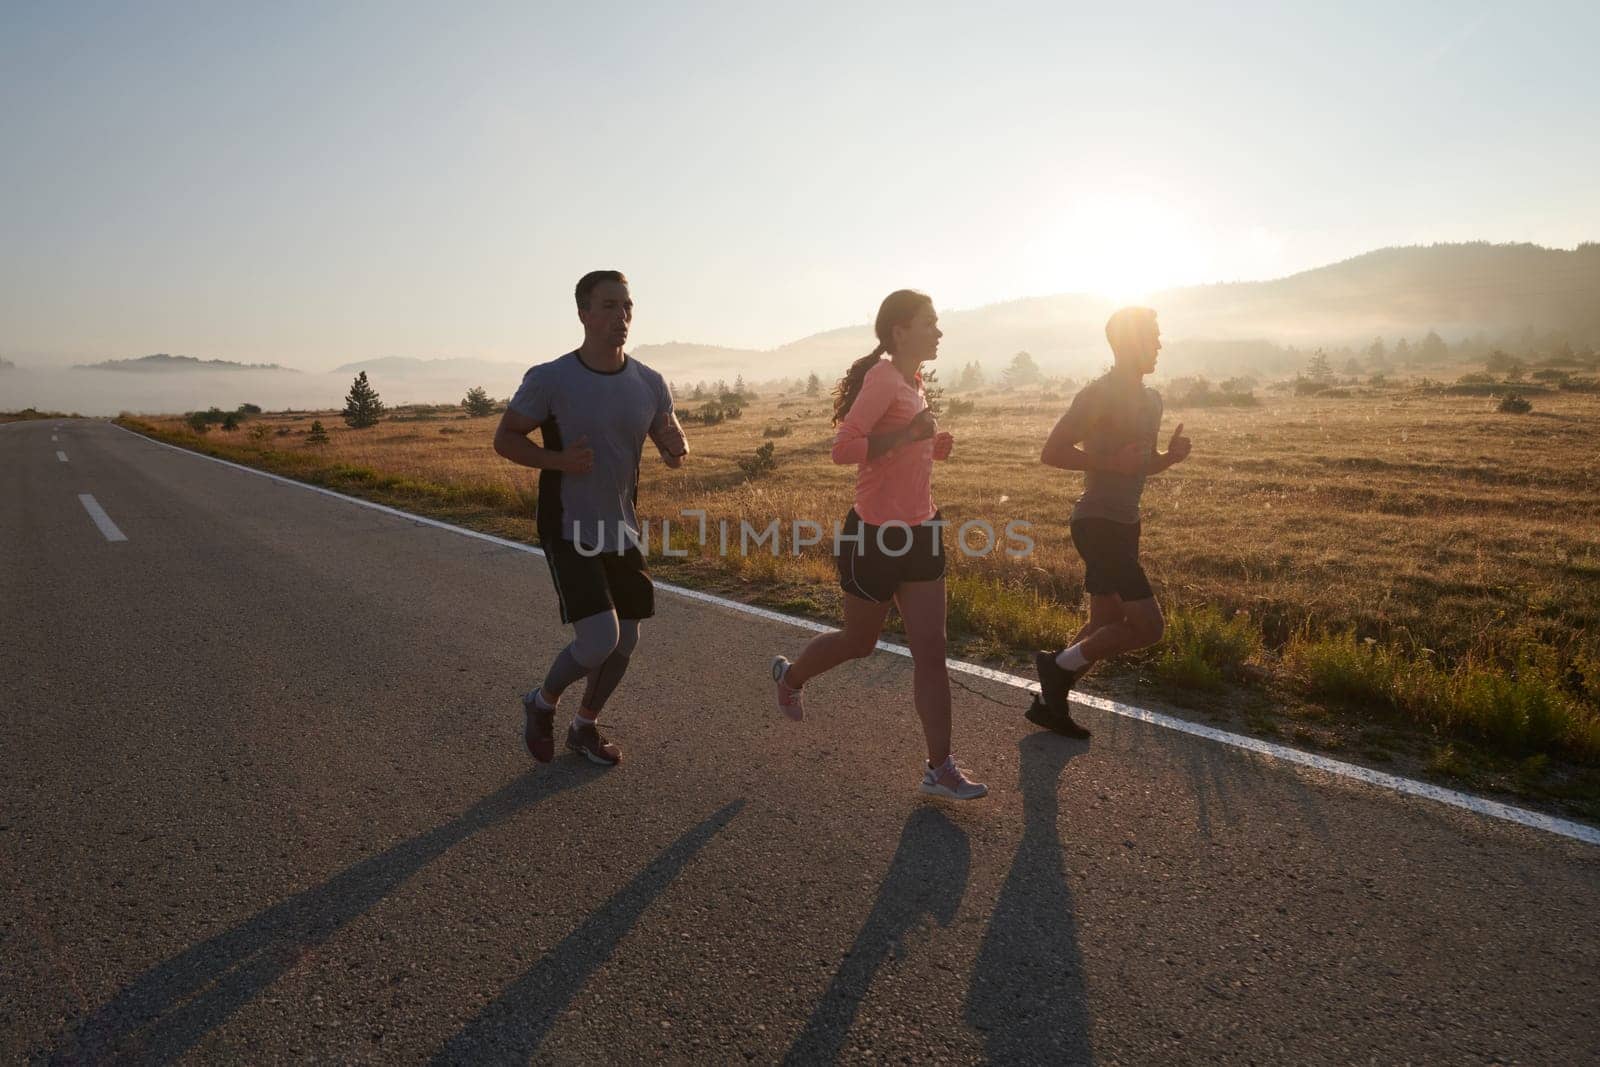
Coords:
922,607
863,622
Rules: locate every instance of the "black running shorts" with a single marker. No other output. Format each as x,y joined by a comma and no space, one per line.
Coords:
588,585
884,559
1110,552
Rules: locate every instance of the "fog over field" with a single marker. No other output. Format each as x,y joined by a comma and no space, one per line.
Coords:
1473,297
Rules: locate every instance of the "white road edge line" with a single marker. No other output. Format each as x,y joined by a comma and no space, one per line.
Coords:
1408,786
62,456
101,519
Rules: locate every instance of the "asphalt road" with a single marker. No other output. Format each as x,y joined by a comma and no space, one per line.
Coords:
261,799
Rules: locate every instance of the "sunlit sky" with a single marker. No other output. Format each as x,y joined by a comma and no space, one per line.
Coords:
315,183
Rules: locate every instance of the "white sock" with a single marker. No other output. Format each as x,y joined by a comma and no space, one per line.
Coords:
1072,659
539,701
579,722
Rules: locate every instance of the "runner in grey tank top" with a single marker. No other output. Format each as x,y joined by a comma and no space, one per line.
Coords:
1117,411
1109,433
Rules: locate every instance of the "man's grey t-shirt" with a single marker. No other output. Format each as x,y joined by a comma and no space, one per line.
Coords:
615,410
1117,411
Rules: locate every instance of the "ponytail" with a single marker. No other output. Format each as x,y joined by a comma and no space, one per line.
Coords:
849,387
897,309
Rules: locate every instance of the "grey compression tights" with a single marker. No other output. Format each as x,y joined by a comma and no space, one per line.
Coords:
601,646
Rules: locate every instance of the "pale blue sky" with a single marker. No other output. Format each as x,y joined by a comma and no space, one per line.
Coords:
315,183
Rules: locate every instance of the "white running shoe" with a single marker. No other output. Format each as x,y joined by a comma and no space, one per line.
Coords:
949,781
790,701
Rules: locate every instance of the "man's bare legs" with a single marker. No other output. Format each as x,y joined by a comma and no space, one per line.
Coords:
1133,625
1141,625
1115,626
1105,609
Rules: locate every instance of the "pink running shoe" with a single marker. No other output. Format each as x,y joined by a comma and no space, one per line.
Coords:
949,781
790,701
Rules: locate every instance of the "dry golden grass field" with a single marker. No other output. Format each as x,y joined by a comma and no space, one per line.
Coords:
1398,574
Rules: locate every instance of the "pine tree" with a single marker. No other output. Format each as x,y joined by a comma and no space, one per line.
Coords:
933,392
1318,370
1433,349
813,384
1022,371
317,436
362,408
739,386
477,402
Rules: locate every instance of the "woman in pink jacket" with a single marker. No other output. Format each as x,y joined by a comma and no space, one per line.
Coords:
891,550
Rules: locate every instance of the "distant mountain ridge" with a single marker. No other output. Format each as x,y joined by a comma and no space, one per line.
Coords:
712,360
448,365
1454,290
161,362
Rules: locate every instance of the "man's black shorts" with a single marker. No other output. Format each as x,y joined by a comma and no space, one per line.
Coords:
1110,552
871,573
588,585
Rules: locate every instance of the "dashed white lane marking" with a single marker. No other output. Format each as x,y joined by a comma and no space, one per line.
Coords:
101,519
53,437
62,456
1408,786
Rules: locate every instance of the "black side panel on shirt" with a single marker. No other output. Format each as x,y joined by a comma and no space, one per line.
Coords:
548,519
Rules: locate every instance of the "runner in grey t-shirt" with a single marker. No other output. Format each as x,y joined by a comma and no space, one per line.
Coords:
610,412
1110,434
593,408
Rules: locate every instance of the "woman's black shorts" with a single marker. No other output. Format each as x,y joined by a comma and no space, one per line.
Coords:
887,556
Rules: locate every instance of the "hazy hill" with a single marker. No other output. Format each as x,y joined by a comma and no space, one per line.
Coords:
453,367
1531,301
1456,290
161,362
711,361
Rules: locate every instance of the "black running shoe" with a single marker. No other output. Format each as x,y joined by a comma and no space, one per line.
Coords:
1056,721
1055,681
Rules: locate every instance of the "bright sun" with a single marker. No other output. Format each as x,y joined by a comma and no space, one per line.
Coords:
1126,246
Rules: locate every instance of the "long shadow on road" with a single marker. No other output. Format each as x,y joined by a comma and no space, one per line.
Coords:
1028,995
167,1010
926,880
511,1029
